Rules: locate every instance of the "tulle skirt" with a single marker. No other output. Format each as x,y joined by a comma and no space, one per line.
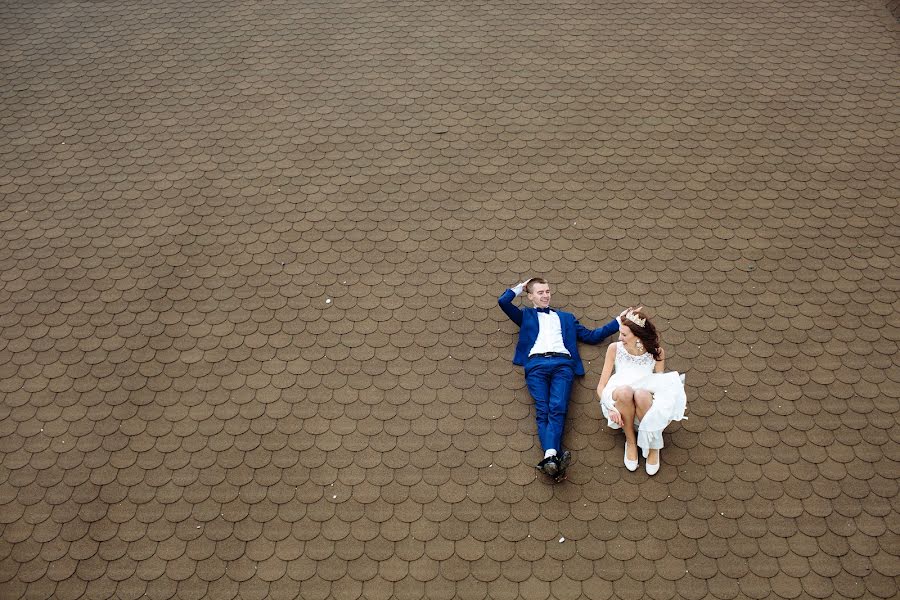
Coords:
669,404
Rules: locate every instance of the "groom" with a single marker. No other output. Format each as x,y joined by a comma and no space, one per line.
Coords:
548,350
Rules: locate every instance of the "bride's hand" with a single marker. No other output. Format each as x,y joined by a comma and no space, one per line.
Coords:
616,417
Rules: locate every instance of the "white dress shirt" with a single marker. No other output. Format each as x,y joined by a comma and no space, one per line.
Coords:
549,337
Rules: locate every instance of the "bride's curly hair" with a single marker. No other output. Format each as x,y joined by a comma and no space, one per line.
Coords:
647,334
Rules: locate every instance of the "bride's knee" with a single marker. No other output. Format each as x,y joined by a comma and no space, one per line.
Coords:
623,394
643,400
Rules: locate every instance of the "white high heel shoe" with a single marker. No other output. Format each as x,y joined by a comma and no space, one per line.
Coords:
631,465
652,469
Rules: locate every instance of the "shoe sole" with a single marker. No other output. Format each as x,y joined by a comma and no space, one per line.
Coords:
548,468
561,474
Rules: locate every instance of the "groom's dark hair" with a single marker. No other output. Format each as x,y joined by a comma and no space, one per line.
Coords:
532,281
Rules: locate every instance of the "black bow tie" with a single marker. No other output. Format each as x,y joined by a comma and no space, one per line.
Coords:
543,310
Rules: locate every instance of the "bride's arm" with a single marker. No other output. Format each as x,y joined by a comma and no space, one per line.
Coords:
608,365
661,363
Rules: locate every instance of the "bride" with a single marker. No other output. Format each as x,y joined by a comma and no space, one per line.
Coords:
640,393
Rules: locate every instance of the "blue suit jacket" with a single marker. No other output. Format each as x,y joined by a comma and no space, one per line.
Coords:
572,330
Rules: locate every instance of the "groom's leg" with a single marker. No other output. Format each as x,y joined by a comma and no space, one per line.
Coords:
537,379
560,389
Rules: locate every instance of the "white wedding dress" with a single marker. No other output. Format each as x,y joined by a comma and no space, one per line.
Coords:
669,399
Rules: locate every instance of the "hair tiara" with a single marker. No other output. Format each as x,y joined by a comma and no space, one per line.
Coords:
634,318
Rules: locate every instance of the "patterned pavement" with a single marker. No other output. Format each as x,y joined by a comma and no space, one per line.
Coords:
249,259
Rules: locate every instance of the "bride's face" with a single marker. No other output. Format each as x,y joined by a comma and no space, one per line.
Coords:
625,335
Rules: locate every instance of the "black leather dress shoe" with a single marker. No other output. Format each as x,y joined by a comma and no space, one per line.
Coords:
549,466
564,462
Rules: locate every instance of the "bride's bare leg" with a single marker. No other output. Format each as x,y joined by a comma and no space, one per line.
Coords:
643,401
624,398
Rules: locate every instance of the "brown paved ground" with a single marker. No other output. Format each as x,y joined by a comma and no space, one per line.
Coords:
250,252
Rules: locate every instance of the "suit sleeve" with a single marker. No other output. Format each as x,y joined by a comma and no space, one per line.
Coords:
595,336
512,311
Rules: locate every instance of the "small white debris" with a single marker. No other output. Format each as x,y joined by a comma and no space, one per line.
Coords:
198,527
333,497
561,540
328,301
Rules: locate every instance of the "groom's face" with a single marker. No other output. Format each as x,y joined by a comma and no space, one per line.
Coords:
540,295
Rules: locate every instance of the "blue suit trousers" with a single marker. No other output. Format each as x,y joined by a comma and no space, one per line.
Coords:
549,381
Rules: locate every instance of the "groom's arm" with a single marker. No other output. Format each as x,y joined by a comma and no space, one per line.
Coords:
595,336
506,303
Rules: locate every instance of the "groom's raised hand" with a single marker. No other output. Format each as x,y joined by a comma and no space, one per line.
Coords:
521,288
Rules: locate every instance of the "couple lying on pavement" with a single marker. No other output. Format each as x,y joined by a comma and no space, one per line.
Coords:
639,397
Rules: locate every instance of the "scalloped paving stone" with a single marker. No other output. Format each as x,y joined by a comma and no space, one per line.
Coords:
249,261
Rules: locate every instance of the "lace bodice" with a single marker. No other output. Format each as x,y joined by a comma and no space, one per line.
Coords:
631,364
667,389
